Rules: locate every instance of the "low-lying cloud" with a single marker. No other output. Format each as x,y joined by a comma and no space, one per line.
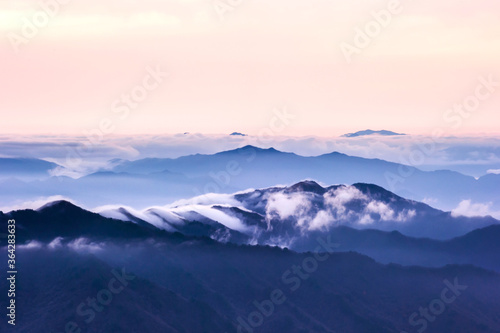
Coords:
471,209
315,212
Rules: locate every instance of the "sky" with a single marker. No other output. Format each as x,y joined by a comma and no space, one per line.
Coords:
284,67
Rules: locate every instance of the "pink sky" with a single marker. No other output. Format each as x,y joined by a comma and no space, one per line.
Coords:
229,75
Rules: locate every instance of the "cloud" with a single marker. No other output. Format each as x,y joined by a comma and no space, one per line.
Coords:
84,245
222,235
286,205
344,205
213,214
494,171
337,199
470,209
165,214
32,245
81,245
430,201
280,241
55,244
338,208
322,220
207,199
366,219
177,213
382,209
123,213
406,215
386,213
112,212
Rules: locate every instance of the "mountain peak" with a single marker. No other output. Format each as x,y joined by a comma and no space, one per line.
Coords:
371,132
307,186
58,205
376,191
250,147
237,134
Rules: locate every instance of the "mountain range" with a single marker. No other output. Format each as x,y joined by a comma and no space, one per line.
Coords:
184,284
371,132
286,214
26,169
299,258
363,218
156,181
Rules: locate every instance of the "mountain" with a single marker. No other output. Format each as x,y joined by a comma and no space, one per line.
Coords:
54,285
370,132
346,292
181,283
156,181
203,286
237,134
65,220
479,247
107,187
252,167
25,168
283,216
293,217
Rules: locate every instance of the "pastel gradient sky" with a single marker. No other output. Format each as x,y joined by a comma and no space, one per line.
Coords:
230,74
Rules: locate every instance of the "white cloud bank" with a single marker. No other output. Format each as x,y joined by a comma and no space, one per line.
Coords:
470,209
303,208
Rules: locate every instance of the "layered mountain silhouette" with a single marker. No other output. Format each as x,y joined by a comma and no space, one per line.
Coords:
156,181
55,286
197,285
25,168
362,218
287,214
371,132
299,258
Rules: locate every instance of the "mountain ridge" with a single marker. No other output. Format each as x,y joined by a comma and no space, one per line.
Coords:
250,222
372,132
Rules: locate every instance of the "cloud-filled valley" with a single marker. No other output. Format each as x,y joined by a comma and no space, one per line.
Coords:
181,224
158,181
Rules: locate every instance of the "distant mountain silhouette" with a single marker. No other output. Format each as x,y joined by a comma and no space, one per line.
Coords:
157,181
257,168
371,132
25,168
